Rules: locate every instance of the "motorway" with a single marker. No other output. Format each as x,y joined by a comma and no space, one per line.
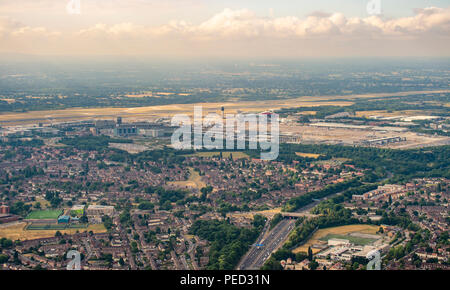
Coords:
257,255
272,241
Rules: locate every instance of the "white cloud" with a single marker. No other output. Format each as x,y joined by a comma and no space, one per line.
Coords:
240,30
13,29
245,23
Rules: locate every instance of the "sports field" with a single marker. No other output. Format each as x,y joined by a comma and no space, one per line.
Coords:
18,231
341,232
34,227
307,155
44,214
236,154
354,240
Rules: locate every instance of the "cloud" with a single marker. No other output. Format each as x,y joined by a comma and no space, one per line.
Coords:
246,24
13,29
245,33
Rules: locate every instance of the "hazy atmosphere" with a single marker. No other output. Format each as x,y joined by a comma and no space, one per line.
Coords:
285,136
200,28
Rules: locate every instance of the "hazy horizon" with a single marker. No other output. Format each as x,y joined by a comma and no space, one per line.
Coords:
196,29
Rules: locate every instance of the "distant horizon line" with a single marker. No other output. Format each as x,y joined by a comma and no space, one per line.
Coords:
218,59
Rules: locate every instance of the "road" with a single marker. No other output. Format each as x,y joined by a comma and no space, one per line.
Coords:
176,263
259,254
272,241
191,252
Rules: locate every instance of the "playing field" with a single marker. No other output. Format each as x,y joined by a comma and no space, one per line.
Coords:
307,155
354,240
194,181
35,227
209,154
44,214
318,237
18,231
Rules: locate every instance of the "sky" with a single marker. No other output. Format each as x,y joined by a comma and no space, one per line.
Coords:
226,28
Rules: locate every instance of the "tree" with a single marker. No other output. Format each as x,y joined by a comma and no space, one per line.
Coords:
3,258
310,254
275,220
313,265
5,243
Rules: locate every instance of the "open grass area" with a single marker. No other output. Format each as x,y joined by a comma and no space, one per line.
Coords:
34,227
308,155
354,240
209,154
318,236
17,231
44,214
194,181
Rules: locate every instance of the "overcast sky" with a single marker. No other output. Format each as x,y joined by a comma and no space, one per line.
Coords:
226,28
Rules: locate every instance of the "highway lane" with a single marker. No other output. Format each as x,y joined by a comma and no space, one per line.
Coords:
256,257
259,254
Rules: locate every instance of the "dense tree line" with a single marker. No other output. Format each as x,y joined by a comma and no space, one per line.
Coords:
394,103
22,143
20,208
167,196
403,164
303,200
228,242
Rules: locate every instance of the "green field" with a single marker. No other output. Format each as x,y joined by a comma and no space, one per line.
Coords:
37,227
44,214
354,240
225,154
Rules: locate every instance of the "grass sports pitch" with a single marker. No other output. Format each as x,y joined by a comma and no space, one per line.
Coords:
44,214
351,239
35,227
